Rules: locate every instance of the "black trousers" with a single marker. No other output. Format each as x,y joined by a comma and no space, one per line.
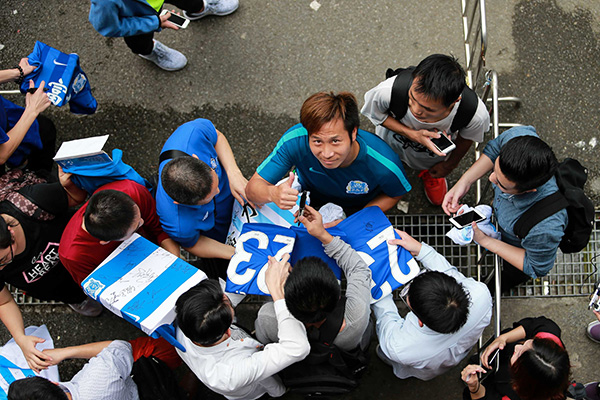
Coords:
143,44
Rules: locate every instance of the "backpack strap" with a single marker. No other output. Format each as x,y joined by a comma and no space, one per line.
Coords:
466,109
538,212
399,98
169,154
331,327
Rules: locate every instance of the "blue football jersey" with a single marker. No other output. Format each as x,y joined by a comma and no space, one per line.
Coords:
247,268
368,232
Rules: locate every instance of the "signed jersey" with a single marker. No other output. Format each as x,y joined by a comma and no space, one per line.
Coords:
367,231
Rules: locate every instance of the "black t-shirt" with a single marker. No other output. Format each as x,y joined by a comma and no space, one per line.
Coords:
37,270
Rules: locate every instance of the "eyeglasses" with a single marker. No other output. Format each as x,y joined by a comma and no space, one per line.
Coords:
12,256
406,289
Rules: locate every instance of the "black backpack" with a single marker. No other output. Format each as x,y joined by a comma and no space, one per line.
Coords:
570,177
327,370
399,100
155,380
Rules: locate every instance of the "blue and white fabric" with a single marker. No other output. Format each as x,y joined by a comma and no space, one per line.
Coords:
368,232
13,365
90,177
64,78
140,282
246,271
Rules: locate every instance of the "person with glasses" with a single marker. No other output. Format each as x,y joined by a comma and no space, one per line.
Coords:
32,221
198,181
113,213
226,358
447,314
522,170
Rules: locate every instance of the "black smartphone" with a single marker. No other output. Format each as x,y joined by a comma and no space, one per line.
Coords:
462,220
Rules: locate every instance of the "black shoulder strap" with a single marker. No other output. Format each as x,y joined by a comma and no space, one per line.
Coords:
331,327
466,109
538,212
399,99
169,154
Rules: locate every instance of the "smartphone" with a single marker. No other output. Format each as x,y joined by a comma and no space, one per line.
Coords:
490,363
443,144
302,205
460,221
493,357
177,19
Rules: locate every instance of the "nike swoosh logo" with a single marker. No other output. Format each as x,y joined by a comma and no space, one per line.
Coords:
58,63
316,172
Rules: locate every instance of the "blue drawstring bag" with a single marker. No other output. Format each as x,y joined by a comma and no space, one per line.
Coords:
65,80
90,177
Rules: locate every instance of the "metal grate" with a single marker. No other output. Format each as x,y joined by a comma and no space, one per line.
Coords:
572,275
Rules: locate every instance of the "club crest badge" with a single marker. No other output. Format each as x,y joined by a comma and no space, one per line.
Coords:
357,187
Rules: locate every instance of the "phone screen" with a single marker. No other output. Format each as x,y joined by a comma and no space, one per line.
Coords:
468,217
442,142
177,19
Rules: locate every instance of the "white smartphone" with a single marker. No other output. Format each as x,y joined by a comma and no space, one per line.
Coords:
465,219
177,19
443,144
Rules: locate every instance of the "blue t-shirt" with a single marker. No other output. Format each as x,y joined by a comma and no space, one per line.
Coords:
184,223
376,169
541,243
10,114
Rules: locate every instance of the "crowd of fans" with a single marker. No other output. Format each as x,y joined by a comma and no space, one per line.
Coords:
53,234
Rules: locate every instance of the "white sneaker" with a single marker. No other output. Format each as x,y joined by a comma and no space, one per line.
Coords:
214,7
166,57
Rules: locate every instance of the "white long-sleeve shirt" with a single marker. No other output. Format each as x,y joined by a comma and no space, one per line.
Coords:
420,351
241,367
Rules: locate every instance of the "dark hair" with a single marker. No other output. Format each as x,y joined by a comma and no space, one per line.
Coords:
311,290
202,313
6,239
541,373
440,78
527,161
109,215
323,107
439,301
187,180
35,388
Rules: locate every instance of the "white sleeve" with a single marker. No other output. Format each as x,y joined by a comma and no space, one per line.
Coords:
292,347
434,261
377,102
478,125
